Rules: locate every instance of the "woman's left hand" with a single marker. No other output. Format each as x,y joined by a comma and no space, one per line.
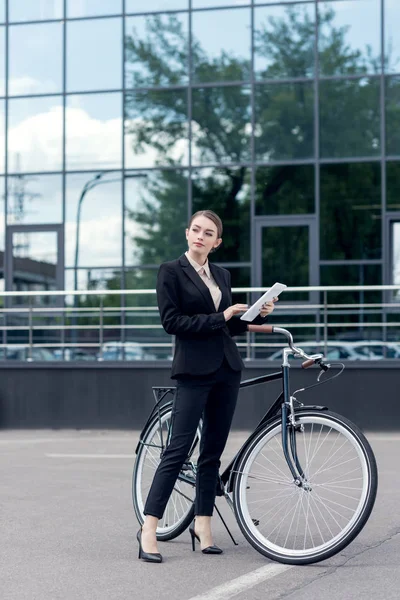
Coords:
268,308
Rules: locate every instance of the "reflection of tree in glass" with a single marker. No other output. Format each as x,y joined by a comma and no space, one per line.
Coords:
220,123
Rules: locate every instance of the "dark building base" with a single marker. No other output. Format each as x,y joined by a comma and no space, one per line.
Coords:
119,396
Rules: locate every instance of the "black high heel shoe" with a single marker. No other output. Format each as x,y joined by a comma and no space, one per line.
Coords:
209,549
153,557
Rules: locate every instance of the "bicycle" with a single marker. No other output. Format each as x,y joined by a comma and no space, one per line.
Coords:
302,486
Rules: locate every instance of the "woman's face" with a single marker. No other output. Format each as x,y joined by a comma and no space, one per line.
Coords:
202,236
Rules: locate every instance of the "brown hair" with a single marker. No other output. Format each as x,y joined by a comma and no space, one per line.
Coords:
210,215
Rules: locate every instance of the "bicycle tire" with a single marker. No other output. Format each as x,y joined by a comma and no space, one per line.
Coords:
179,512
326,437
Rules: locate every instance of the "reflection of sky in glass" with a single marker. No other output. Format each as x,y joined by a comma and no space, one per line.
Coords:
2,10
94,131
100,242
362,22
35,134
212,3
36,245
2,195
392,43
94,55
35,59
396,253
89,8
2,61
2,129
138,6
41,199
223,31
35,10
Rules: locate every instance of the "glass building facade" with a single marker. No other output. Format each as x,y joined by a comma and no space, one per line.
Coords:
121,118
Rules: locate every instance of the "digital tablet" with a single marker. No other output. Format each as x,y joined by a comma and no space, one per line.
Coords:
255,308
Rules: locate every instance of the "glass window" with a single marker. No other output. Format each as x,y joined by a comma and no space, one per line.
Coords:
26,10
94,55
156,51
212,3
392,43
93,279
285,190
156,128
2,136
221,125
35,59
34,199
349,118
94,131
284,118
284,41
349,37
2,61
393,116
226,192
34,263
137,6
2,11
94,209
91,8
350,211
395,254
2,231
393,185
155,216
362,274
285,255
272,1
35,134
221,45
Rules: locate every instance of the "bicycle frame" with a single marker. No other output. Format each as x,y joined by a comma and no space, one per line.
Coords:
283,405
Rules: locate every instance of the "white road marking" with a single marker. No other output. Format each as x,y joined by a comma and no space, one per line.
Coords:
243,583
72,440
54,455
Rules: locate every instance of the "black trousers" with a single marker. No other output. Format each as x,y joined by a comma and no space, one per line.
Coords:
214,396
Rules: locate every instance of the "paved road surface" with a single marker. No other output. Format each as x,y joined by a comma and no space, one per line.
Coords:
68,532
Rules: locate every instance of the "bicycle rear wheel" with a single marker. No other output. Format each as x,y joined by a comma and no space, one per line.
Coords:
310,523
179,511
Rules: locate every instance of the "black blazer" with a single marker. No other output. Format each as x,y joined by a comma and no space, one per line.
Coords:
187,310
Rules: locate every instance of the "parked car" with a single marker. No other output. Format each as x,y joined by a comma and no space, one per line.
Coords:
378,350
335,351
22,353
73,354
125,351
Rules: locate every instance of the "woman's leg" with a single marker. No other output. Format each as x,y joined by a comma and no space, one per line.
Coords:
218,414
190,400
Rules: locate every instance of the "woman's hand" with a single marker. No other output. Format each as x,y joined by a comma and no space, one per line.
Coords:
234,310
268,308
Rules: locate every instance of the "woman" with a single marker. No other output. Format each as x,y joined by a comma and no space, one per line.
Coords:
195,303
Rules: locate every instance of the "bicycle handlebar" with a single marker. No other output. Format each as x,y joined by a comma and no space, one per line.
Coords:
310,360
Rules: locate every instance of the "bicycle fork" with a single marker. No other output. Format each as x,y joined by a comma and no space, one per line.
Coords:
289,427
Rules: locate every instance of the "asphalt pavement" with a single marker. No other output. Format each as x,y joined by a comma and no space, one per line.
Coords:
68,532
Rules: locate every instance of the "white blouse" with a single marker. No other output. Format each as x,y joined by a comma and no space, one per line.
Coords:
205,274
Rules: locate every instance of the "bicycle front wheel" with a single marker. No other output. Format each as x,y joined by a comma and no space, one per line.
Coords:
179,511
312,522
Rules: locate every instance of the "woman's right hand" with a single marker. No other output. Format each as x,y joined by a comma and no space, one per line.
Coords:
235,310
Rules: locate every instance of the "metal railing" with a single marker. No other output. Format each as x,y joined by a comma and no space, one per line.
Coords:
125,324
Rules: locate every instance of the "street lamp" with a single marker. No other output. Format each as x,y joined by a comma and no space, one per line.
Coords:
89,185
